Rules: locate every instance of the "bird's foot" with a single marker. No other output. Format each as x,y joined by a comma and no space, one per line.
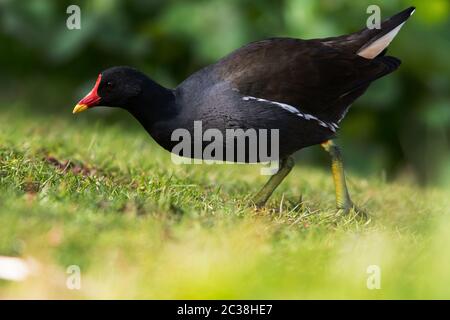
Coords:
258,202
351,207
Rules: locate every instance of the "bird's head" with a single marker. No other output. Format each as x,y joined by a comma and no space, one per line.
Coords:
115,87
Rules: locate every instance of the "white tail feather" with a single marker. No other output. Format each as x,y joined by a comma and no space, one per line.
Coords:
376,47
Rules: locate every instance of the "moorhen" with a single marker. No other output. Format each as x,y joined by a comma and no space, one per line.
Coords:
302,88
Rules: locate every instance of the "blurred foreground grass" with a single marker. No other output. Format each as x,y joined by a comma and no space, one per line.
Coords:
74,191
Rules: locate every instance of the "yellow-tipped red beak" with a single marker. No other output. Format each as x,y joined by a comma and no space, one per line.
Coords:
80,108
92,99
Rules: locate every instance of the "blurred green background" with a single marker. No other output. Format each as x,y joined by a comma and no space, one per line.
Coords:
399,129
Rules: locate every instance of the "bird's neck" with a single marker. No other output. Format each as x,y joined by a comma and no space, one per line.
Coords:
155,104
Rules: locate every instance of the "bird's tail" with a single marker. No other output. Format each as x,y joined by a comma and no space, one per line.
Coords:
369,43
379,39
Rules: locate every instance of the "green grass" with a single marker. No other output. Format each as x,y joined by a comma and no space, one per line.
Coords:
75,191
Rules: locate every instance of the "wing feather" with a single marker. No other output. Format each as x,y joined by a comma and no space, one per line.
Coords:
303,73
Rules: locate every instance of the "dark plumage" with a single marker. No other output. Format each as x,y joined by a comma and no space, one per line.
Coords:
301,87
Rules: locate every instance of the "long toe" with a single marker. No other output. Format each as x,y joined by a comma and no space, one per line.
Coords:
352,208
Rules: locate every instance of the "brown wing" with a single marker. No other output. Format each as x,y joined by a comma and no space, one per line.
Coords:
303,73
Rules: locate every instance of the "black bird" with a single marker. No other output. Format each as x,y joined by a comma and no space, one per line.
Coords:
302,88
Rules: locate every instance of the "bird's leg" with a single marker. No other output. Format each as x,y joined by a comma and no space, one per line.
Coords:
343,202
261,197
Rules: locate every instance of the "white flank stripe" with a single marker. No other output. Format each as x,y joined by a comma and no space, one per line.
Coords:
330,125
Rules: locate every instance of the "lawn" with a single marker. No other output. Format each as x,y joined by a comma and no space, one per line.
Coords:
104,197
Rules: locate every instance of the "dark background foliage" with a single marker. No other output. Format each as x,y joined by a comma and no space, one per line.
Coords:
400,127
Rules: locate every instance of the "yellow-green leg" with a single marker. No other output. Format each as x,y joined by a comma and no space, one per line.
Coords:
262,196
343,202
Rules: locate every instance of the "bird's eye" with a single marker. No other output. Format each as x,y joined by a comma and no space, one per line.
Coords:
110,84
